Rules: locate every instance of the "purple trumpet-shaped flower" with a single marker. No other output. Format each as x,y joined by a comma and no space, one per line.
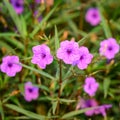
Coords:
18,5
41,56
31,92
90,86
87,104
93,16
92,103
68,51
38,1
102,109
10,65
109,48
85,58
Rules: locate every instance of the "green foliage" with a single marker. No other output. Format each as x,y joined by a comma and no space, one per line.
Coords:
60,85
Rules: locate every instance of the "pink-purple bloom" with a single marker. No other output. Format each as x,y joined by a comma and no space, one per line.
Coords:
85,58
109,48
102,109
18,5
38,1
41,56
93,16
10,65
92,103
90,86
31,92
68,51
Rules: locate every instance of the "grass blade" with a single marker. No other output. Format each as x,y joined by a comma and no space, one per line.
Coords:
39,26
57,42
104,21
76,112
39,71
25,112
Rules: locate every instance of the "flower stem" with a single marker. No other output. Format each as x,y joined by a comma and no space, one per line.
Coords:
60,83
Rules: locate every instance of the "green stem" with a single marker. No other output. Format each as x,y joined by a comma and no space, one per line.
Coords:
60,83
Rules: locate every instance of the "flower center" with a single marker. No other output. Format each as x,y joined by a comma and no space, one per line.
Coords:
89,86
94,15
10,65
69,51
81,57
110,48
30,90
17,4
88,103
43,55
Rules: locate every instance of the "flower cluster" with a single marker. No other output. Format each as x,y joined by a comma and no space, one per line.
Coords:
71,53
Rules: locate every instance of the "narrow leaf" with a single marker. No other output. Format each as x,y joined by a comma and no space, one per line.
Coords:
57,42
9,35
39,71
76,112
25,112
54,106
104,21
39,26
106,84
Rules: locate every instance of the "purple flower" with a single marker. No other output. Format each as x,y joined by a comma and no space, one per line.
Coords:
18,5
93,103
68,51
38,1
10,65
98,109
109,48
102,109
31,92
41,56
90,86
85,58
93,16
87,104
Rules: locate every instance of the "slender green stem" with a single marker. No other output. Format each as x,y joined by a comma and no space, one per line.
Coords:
60,83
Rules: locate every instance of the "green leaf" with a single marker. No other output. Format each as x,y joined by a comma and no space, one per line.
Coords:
43,87
15,42
18,118
24,26
57,42
9,35
76,112
75,30
16,19
5,45
66,100
104,21
25,112
39,26
54,106
106,84
61,19
39,71
1,111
